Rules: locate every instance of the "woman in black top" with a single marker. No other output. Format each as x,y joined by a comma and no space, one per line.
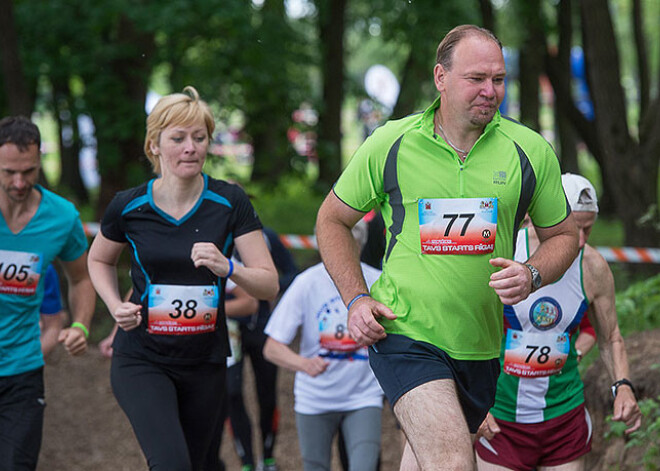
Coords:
168,367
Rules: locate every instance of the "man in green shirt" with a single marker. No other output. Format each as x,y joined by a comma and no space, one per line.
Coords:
453,184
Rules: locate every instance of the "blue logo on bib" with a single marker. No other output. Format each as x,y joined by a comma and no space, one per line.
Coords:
545,313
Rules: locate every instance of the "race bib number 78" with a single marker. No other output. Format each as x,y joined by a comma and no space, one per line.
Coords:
457,226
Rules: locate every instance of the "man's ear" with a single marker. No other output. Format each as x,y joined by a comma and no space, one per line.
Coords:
439,75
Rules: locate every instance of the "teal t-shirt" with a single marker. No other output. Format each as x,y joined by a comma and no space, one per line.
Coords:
469,212
55,231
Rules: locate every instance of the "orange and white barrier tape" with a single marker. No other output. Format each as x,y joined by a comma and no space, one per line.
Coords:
630,254
611,254
91,228
292,241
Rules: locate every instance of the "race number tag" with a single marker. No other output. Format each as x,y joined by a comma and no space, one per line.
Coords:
182,310
531,355
334,331
19,272
457,226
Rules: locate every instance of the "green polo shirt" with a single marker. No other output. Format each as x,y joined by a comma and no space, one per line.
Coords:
443,297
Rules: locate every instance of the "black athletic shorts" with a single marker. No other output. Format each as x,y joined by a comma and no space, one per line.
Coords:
401,364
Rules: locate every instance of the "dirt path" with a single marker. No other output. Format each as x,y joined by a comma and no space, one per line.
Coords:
85,430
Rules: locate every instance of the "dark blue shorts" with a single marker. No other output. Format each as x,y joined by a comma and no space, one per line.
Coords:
21,419
401,364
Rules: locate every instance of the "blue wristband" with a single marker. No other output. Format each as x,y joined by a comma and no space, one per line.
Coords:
231,268
352,301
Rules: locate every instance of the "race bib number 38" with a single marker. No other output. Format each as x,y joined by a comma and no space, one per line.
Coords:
182,310
19,272
530,355
457,226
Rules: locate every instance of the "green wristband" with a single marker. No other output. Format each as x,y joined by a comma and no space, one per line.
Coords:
82,327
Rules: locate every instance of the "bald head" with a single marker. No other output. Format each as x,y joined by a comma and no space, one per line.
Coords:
446,47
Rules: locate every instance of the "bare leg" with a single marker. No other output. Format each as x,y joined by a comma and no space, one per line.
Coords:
408,460
486,466
577,465
437,432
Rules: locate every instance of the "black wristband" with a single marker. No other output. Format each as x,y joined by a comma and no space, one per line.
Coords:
618,383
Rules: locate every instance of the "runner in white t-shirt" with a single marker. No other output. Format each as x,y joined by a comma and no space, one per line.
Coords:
334,386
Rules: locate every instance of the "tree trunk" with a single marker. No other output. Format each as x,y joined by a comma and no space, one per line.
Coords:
268,112
414,73
531,65
19,96
565,130
487,15
331,40
631,168
117,107
70,179
642,59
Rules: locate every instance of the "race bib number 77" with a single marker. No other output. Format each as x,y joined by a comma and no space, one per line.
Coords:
457,226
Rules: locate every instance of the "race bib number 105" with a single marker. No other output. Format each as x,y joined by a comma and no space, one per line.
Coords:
457,226
19,272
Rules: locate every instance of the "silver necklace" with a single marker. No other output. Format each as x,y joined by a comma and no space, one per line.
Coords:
444,134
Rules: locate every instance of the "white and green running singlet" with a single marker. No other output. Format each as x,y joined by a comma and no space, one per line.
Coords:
540,379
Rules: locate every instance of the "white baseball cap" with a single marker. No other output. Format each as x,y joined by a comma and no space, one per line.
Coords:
580,193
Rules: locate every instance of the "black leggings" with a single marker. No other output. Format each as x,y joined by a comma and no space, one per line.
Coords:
265,374
173,409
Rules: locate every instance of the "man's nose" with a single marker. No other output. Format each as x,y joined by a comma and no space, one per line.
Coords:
19,181
488,89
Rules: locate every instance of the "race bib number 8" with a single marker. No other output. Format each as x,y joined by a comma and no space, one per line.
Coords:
182,310
457,226
19,272
333,331
531,355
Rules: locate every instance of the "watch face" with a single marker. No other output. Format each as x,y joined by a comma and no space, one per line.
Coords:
536,276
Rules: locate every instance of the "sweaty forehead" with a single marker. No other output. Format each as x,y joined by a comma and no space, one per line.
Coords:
13,158
479,54
186,128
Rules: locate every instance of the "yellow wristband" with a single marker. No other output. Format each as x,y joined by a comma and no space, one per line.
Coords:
82,327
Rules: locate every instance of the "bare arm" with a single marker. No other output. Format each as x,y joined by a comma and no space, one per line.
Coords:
51,326
584,343
556,252
280,354
103,257
340,256
257,275
241,305
599,286
82,300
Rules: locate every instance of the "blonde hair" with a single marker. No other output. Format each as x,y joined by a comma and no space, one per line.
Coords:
176,109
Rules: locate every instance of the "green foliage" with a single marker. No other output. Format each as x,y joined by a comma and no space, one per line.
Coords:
647,437
638,307
289,208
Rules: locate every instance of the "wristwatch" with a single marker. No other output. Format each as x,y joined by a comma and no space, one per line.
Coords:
536,277
618,383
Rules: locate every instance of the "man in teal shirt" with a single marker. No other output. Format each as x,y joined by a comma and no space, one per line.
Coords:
453,184
36,227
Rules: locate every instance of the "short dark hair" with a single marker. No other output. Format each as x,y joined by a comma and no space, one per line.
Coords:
446,47
20,131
